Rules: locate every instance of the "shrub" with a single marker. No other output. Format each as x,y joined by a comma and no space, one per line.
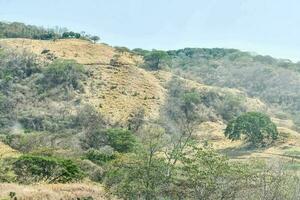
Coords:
122,140
67,73
257,127
16,66
89,118
30,168
93,171
6,173
100,156
93,138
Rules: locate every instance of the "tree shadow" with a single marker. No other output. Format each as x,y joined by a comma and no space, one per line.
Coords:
244,150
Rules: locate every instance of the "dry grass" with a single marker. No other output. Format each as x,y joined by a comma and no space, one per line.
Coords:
53,191
116,91
289,142
80,50
6,151
119,91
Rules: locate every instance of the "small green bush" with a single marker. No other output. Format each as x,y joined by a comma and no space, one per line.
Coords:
31,168
100,156
122,140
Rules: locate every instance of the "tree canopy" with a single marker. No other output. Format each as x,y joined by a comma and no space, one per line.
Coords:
257,128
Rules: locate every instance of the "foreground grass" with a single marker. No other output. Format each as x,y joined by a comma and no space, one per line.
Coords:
82,191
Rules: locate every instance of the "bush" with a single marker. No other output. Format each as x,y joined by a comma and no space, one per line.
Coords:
257,127
6,173
93,171
121,140
67,73
30,168
100,156
17,66
93,138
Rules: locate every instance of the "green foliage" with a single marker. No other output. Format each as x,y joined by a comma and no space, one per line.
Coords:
41,143
71,34
16,66
122,140
275,81
30,169
6,172
201,174
20,30
94,38
209,175
134,177
154,58
257,127
100,156
67,73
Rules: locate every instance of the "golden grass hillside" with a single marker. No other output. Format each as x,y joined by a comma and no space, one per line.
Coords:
118,89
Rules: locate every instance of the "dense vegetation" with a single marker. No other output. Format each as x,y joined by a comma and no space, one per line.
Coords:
275,81
30,168
257,127
20,30
62,139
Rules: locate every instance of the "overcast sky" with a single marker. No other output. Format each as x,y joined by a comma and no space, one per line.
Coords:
263,26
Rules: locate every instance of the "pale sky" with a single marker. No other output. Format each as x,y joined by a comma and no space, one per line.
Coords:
264,26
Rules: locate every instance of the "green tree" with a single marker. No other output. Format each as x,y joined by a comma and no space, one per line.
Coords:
257,127
95,38
121,140
141,174
209,175
154,58
101,156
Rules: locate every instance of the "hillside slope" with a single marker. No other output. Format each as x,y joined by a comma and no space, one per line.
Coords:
119,90
117,87
116,91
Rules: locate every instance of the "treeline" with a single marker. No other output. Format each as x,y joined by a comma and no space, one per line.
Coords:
20,30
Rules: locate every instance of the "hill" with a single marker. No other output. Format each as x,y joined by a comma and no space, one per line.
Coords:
63,98
274,81
120,90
